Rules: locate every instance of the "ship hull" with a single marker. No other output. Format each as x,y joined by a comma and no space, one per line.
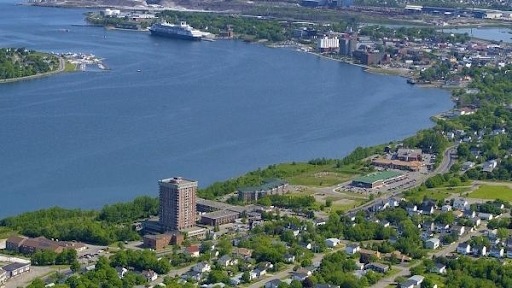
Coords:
174,35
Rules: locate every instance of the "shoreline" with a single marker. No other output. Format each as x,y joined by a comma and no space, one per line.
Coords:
62,67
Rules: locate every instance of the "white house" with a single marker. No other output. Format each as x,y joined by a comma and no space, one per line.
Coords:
488,166
202,267
464,248
121,271
485,216
417,279
497,252
446,208
480,250
432,243
438,268
226,261
150,275
460,204
332,242
458,230
352,249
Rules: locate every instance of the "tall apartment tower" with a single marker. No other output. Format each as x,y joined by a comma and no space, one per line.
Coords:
177,203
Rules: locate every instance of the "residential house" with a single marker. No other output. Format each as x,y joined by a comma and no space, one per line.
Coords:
497,252
242,252
385,223
492,235
352,249
150,275
464,248
289,258
377,267
428,226
202,267
469,214
226,261
488,166
417,279
309,271
306,245
257,273
460,204
273,283
394,202
438,268
193,275
426,209
476,221
446,208
332,242
458,214
411,209
467,165
15,269
407,284
359,265
193,250
121,271
479,250
368,254
485,216
299,276
442,227
432,243
320,222
458,230
236,280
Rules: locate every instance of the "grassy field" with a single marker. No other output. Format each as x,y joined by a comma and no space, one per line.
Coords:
492,192
315,175
437,194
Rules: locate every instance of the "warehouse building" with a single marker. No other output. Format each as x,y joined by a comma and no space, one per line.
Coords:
377,179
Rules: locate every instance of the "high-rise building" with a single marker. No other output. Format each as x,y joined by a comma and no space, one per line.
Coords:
177,203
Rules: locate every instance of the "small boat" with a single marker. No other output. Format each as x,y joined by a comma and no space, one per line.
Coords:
138,70
411,81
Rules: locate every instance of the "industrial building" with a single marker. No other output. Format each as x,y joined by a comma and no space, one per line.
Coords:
377,179
219,217
269,187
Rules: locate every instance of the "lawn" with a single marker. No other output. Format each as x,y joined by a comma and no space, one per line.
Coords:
418,196
316,175
492,192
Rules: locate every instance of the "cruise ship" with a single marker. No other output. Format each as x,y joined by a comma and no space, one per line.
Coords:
178,31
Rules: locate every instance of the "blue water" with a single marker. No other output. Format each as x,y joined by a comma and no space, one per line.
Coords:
203,110
487,33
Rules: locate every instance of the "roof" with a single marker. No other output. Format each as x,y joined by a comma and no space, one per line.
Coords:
14,266
408,283
435,240
378,176
16,240
220,214
193,249
267,184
